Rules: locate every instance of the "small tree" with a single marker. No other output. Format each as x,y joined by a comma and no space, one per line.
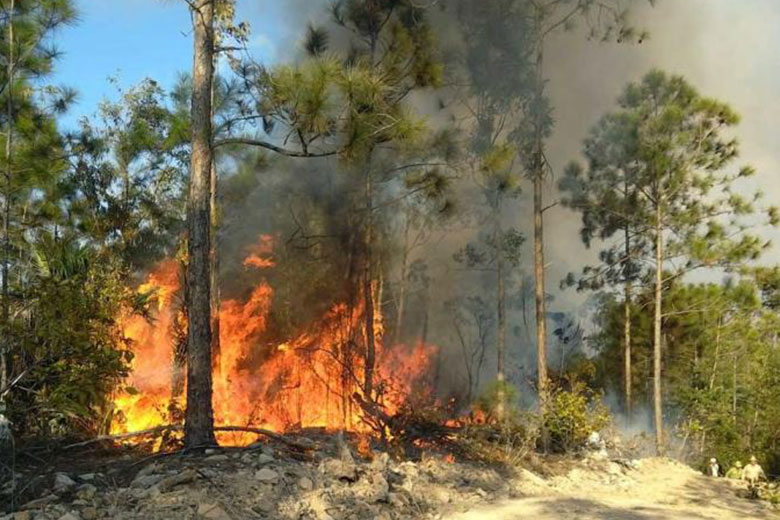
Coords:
31,140
496,68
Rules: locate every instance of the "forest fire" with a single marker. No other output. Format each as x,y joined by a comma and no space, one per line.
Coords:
306,381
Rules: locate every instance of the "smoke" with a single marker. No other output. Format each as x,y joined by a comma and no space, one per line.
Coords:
726,49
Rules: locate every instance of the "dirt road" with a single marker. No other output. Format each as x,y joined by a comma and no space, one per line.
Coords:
657,489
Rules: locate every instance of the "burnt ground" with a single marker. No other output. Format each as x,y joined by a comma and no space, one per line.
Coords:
273,480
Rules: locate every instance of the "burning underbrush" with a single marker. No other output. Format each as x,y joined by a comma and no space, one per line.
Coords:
311,380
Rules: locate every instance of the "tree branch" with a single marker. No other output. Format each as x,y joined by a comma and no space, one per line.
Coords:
268,146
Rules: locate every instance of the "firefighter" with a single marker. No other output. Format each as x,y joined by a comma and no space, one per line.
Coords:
753,473
713,470
735,472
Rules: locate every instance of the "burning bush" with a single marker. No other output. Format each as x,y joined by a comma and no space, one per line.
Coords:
310,379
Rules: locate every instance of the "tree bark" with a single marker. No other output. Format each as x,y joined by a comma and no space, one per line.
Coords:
734,389
368,374
398,335
658,405
538,178
370,360
501,333
4,342
627,328
199,416
216,350
717,354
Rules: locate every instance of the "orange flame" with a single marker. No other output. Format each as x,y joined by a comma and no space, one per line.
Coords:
260,253
306,381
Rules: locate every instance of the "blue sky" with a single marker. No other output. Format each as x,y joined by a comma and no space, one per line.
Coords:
135,39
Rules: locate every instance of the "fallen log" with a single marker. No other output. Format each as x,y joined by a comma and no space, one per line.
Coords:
293,443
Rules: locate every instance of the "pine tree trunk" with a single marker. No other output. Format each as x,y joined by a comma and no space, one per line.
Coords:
216,351
426,316
734,389
4,342
717,354
538,179
199,416
398,336
179,362
368,374
627,327
501,337
657,403
627,348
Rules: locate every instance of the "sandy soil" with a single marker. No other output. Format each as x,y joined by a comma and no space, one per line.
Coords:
657,489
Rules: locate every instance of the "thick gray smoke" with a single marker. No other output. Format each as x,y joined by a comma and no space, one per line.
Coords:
727,49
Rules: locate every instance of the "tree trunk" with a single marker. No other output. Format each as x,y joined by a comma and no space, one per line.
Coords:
368,374
398,336
426,315
179,362
216,351
717,354
538,178
4,343
199,416
501,336
659,434
734,389
627,328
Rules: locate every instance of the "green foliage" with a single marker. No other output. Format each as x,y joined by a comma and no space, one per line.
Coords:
572,414
70,339
127,185
720,370
490,398
482,254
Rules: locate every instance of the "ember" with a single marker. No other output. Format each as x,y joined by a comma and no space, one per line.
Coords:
305,381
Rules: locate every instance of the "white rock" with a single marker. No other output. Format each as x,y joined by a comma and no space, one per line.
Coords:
212,512
442,495
146,481
264,459
62,482
86,492
305,484
221,457
267,475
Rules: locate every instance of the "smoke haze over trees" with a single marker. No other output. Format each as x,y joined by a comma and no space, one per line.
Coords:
379,168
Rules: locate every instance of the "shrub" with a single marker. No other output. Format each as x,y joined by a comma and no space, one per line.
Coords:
572,415
69,347
487,403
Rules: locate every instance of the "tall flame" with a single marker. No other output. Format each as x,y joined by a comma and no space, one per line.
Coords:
306,381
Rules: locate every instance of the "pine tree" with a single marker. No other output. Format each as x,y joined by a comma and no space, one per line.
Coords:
199,415
606,195
497,36
27,27
687,206
606,21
